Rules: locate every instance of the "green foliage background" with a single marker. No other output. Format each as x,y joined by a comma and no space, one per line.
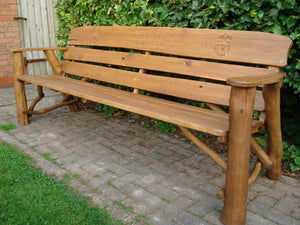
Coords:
274,16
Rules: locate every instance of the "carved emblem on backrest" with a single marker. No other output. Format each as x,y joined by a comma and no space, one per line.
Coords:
223,46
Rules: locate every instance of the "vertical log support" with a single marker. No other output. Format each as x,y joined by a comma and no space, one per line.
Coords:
236,188
52,59
56,67
271,93
20,96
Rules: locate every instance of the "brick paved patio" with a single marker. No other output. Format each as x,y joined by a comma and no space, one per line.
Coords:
142,176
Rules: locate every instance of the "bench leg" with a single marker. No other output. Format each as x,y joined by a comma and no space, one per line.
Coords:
21,102
73,107
236,188
271,95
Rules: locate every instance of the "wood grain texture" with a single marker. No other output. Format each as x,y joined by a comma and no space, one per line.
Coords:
211,153
256,80
236,187
261,154
183,115
169,64
38,49
271,93
237,46
183,88
54,63
19,88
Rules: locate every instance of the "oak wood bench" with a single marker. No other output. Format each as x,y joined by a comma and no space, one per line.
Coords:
239,69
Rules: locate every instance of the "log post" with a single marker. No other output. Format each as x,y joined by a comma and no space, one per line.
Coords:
236,188
271,94
56,67
20,96
52,59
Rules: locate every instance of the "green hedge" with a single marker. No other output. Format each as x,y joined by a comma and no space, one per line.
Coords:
274,16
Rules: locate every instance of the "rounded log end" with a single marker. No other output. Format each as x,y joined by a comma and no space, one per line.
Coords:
221,194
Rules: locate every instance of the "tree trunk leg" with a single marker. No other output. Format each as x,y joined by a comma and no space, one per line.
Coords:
271,93
236,188
21,102
20,89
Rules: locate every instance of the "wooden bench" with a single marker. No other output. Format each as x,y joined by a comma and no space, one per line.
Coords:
239,69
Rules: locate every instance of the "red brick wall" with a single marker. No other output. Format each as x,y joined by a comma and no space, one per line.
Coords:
9,38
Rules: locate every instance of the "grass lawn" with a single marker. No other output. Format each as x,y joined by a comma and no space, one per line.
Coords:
29,196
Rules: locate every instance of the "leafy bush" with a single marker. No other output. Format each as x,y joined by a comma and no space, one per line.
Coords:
291,155
165,127
106,110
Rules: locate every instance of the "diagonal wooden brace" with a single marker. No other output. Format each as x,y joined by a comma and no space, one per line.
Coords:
204,148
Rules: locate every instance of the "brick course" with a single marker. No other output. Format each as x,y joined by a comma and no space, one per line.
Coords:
9,38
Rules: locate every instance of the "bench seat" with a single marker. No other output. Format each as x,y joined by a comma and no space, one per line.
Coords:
196,118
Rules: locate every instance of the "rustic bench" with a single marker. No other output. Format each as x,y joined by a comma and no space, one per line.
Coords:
235,69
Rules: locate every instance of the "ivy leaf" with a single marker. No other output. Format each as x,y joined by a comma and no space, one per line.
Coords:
297,160
293,167
273,12
276,29
260,14
291,22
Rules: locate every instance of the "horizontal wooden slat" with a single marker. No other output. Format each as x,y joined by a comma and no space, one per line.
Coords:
236,46
182,88
189,67
183,115
38,49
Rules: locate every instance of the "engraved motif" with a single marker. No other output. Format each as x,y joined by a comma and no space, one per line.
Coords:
223,46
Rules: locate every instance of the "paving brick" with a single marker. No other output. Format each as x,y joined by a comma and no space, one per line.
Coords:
116,169
262,189
280,218
181,150
133,157
187,218
149,205
287,204
161,168
261,204
111,192
213,217
172,209
126,179
158,219
158,189
206,203
198,179
188,192
209,189
173,158
139,169
137,192
296,213
253,219
120,149
286,188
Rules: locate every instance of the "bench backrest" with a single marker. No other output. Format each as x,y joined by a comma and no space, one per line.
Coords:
180,62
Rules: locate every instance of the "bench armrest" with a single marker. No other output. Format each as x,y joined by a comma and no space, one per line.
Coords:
49,52
256,80
38,49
